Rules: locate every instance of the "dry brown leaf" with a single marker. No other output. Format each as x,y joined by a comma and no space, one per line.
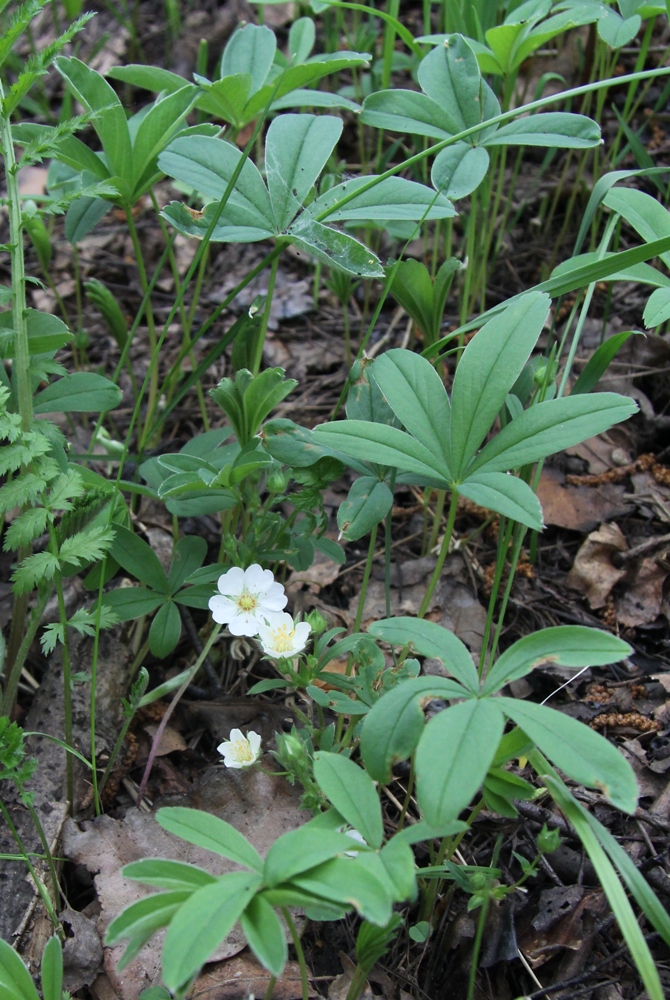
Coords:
642,600
454,605
578,508
593,573
259,806
242,976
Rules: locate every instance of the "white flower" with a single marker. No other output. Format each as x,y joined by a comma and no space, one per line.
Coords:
240,750
282,637
246,598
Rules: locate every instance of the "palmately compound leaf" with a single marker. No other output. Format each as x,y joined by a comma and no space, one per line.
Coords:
567,645
393,726
351,790
453,756
581,753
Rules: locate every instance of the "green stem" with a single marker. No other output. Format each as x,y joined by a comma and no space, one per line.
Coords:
67,691
170,709
39,885
295,937
259,340
437,519
357,985
446,541
151,325
9,694
366,579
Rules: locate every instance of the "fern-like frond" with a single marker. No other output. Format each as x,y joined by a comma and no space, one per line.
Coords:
38,568
18,23
26,488
29,448
53,633
25,528
68,487
86,546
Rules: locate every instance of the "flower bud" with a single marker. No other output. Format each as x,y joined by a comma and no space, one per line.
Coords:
317,621
548,840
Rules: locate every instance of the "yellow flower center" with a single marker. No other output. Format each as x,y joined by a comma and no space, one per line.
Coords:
247,601
243,750
282,639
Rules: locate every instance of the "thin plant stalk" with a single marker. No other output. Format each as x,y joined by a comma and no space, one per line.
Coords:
366,579
295,938
39,885
170,709
151,324
30,631
446,542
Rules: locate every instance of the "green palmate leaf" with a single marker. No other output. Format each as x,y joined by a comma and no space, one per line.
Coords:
149,77
301,849
83,216
156,129
391,199
557,129
379,443
302,98
398,860
265,935
301,39
334,248
409,112
95,94
165,630
346,880
430,639
453,756
16,983
250,50
139,559
505,494
450,75
214,834
393,726
459,169
580,752
202,923
81,392
616,31
189,555
132,602
612,888
368,503
642,212
160,873
51,970
567,645
415,393
489,367
656,311
142,919
600,360
353,794
297,149
207,164
550,427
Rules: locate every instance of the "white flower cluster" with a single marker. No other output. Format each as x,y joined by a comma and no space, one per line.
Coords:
251,603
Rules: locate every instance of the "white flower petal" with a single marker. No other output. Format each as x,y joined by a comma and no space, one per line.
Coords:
258,579
222,609
232,582
235,735
244,624
254,742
